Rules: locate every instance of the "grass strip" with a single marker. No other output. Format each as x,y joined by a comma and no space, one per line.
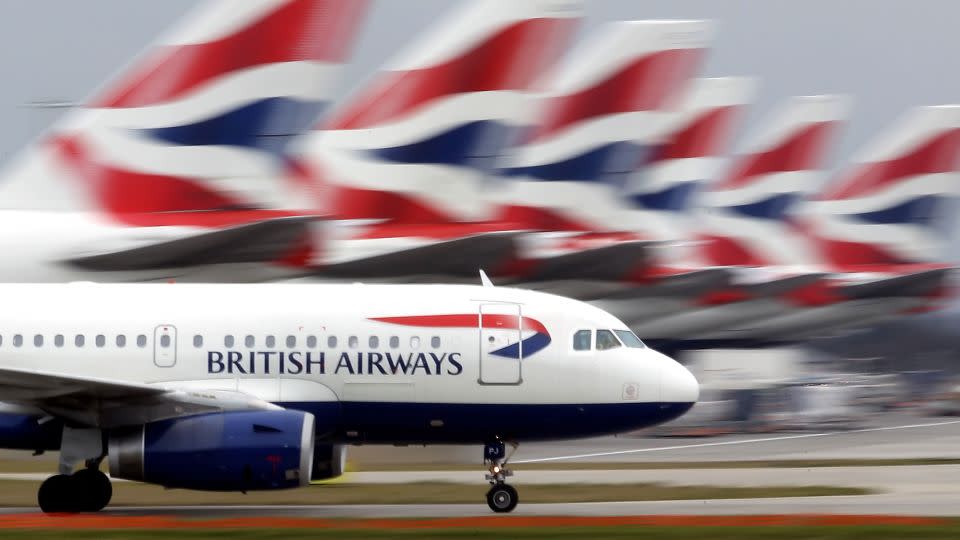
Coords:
841,532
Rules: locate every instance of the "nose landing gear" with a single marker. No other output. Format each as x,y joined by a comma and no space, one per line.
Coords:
502,497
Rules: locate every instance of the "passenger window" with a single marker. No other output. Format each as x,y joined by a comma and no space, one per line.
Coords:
291,342
606,340
17,340
249,342
581,340
394,342
352,342
100,340
435,342
271,342
332,342
78,340
58,340
415,342
374,342
38,340
198,341
165,341
228,341
121,341
311,342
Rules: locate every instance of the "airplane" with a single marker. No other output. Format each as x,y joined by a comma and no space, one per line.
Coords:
166,172
404,159
242,387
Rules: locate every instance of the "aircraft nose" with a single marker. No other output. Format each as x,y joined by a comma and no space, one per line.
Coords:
677,384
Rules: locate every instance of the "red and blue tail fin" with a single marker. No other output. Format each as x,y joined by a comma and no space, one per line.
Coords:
662,192
198,118
414,144
605,112
887,209
746,214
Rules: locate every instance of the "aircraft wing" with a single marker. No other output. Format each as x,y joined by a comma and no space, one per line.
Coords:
109,403
260,241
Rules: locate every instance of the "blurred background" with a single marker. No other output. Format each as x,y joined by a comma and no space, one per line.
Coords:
764,190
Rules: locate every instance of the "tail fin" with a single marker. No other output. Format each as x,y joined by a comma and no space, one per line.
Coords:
746,213
885,210
414,143
606,110
200,113
689,155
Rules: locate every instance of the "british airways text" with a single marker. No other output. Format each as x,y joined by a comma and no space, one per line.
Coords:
320,363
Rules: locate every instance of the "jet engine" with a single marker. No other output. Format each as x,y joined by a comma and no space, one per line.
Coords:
230,451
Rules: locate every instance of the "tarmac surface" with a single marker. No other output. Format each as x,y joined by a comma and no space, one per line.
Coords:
906,490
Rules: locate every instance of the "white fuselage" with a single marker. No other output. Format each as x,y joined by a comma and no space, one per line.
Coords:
390,363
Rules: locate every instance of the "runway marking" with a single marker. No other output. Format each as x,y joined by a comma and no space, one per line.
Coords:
731,443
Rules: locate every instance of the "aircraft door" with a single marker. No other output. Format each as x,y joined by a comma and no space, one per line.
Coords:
501,353
165,345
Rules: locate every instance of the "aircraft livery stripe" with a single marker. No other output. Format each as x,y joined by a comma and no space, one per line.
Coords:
299,30
400,93
530,345
643,85
936,155
802,151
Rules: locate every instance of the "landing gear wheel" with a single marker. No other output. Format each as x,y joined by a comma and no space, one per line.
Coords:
56,494
93,490
502,498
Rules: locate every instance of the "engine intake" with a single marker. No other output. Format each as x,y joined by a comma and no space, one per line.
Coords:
329,461
231,451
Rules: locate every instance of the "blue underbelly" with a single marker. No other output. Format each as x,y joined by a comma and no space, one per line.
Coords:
425,423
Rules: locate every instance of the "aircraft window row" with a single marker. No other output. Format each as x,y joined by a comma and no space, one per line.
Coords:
80,340
353,342
605,340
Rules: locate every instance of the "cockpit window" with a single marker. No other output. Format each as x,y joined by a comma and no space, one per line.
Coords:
606,340
630,339
581,340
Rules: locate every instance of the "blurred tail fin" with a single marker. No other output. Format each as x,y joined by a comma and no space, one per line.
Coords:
886,209
746,214
606,110
191,121
414,143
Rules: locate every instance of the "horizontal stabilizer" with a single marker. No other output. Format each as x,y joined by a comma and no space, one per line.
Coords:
458,257
266,240
612,262
914,284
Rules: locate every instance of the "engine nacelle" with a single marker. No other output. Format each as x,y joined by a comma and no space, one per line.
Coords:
329,461
231,451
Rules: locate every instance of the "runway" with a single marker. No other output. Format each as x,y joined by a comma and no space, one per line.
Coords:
903,490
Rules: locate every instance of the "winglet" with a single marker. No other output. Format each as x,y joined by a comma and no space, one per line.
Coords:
484,280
